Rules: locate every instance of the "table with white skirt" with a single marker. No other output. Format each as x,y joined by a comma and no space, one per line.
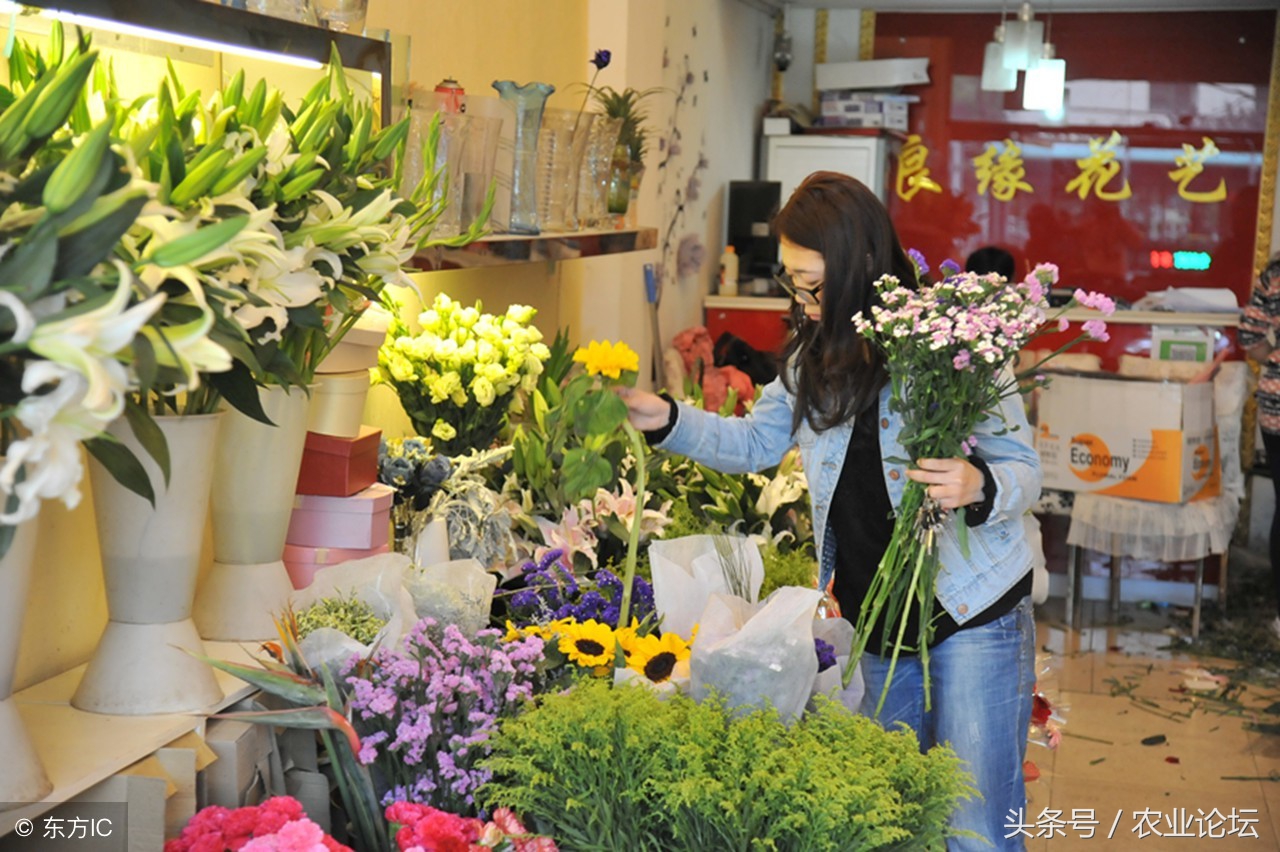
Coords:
1165,532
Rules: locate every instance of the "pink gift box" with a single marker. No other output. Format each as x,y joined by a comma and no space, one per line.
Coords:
360,521
302,562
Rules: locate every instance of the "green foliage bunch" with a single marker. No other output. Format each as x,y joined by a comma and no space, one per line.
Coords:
600,768
626,105
345,613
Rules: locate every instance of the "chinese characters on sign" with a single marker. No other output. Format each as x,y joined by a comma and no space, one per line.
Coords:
1000,171
1148,822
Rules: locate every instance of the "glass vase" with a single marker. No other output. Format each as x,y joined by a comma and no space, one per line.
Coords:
562,142
597,168
528,101
619,180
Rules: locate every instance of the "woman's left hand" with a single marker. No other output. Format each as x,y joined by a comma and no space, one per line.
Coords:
951,482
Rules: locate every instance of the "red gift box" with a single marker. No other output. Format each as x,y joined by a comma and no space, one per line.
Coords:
339,467
303,562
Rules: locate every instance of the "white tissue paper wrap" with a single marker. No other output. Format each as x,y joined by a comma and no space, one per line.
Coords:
687,571
457,592
838,633
376,580
756,655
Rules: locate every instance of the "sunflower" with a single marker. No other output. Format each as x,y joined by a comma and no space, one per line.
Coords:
627,638
657,657
589,644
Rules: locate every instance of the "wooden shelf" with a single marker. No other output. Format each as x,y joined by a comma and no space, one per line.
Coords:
80,749
504,249
1222,319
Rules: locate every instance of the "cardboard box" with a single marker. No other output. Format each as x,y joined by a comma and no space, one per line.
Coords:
339,467
872,74
303,562
239,747
1128,438
1181,343
777,127
361,521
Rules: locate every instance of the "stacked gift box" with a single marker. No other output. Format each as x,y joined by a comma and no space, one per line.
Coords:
341,512
854,108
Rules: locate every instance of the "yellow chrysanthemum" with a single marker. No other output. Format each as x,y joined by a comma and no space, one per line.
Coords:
589,644
603,358
656,657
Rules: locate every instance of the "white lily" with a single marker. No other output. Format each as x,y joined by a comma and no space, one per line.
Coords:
49,455
24,322
187,347
89,342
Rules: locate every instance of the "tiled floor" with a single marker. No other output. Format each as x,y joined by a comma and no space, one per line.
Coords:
1117,682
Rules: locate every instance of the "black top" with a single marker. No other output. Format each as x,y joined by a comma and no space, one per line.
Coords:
862,521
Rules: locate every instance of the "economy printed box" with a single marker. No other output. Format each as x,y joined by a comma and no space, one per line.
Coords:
1128,438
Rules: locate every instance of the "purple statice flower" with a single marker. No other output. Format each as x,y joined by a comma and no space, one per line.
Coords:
425,713
826,654
949,267
922,266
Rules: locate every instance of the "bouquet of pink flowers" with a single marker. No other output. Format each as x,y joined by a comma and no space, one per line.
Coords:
421,828
277,825
948,347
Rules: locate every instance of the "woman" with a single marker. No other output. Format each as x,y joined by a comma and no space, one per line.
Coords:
1258,335
836,239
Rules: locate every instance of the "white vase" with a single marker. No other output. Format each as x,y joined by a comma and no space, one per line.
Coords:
254,480
337,406
150,559
22,778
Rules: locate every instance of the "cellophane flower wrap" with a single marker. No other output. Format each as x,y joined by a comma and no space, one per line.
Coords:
458,378
948,348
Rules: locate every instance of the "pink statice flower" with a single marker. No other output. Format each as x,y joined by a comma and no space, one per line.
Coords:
1097,301
962,359
1097,330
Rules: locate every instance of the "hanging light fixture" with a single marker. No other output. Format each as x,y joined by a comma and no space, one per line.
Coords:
1022,40
1045,83
1046,79
995,77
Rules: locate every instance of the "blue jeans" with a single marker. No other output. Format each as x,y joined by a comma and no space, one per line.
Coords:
982,679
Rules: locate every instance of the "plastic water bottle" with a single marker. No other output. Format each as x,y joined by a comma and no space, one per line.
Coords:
729,272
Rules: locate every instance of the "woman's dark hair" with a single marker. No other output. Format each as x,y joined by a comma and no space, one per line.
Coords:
832,371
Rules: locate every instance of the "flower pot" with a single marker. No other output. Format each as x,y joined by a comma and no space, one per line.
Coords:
253,484
150,559
22,778
337,403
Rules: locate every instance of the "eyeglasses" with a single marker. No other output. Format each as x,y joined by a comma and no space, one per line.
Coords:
805,295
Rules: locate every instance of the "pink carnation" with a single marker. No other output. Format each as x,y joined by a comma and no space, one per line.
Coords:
962,359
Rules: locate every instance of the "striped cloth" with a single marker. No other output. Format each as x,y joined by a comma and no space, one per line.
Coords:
1261,323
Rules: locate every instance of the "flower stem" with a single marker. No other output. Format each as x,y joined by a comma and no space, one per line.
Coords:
633,542
912,590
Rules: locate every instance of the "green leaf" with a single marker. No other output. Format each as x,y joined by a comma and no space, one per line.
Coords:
286,685
599,413
28,270
962,532
123,466
584,471
240,390
193,246
79,251
149,436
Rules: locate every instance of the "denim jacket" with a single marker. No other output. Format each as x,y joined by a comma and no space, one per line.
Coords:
999,555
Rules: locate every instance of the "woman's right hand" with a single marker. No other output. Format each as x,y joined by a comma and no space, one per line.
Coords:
646,411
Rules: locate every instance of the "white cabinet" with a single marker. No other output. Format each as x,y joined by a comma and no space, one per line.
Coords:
790,159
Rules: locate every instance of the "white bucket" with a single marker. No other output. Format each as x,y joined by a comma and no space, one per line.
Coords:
337,403
358,348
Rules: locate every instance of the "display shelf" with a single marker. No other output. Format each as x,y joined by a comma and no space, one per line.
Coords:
1218,319
80,749
748,303
504,249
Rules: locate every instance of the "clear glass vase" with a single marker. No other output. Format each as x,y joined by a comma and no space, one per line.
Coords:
562,142
619,180
528,101
597,167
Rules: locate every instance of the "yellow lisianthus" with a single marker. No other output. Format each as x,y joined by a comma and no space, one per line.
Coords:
602,358
443,431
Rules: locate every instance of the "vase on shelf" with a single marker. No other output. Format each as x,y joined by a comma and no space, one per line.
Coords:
619,194
254,480
451,147
597,167
562,144
528,101
150,560
634,173
22,777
